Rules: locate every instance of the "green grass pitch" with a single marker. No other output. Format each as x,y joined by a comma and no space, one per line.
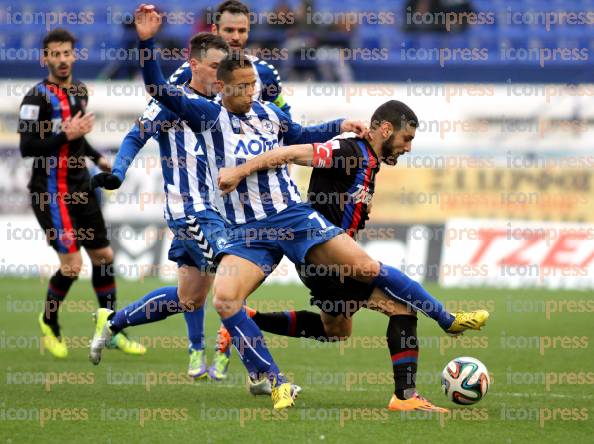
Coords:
536,346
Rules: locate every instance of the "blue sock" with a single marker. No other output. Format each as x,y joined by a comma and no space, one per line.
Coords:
152,307
249,343
402,288
195,324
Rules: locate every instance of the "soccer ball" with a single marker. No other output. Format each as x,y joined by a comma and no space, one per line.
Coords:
465,380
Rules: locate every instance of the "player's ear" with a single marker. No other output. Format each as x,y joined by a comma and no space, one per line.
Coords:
43,57
193,63
213,29
386,129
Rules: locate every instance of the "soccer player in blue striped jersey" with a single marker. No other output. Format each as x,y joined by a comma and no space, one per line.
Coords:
231,22
188,190
232,132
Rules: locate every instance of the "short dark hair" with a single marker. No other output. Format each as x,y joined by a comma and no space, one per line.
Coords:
231,6
203,41
58,35
232,62
397,113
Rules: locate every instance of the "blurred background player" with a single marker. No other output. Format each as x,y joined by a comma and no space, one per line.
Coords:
182,200
344,171
52,125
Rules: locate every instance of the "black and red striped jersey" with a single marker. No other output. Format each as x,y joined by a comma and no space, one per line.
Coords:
343,181
59,165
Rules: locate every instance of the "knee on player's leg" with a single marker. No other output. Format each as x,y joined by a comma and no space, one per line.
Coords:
101,256
226,301
193,286
71,264
192,297
338,328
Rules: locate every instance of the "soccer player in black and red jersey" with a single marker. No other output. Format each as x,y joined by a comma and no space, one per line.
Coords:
53,123
341,188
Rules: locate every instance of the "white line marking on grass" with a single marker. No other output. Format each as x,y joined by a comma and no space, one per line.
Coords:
513,394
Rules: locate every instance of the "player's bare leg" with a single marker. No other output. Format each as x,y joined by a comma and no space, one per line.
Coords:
235,279
193,286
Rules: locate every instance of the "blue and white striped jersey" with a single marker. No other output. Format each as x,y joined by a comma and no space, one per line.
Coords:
230,139
188,184
268,82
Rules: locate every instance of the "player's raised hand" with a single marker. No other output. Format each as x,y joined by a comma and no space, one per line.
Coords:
105,180
229,179
86,122
354,126
147,21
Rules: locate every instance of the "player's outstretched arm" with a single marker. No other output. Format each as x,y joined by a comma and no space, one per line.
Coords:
146,127
292,133
229,178
133,142
148,21
131,145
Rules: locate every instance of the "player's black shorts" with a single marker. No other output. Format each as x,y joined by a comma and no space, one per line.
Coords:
71,224
332,295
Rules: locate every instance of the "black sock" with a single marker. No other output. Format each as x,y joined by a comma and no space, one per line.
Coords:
404,350
103,280
296,324
57,290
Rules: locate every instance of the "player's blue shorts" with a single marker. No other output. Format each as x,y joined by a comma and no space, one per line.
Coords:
292,232
198,240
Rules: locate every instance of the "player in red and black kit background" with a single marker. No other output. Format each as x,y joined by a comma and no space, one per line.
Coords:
53,123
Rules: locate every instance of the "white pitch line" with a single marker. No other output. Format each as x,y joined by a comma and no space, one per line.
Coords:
545,395
490,393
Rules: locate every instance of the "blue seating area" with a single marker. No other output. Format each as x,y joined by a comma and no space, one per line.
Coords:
507,48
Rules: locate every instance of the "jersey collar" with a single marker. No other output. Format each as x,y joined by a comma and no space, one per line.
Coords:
371,150
195,91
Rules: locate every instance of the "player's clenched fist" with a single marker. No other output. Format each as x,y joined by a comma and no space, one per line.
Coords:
354,126
229,179
147,21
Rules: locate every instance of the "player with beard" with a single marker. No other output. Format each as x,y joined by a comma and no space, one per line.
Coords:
231,21
53,123
341,188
